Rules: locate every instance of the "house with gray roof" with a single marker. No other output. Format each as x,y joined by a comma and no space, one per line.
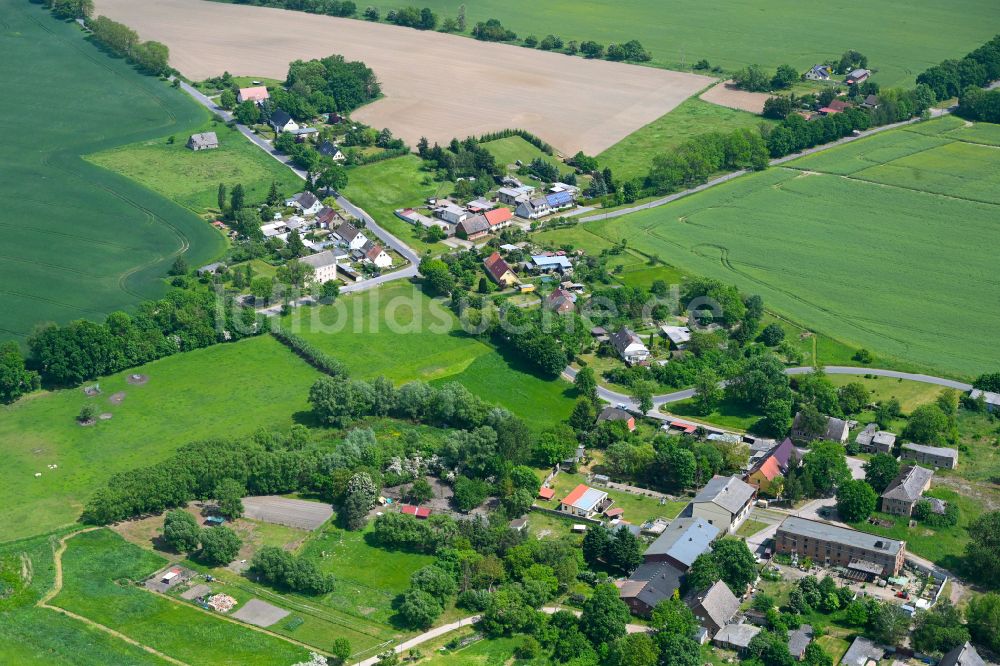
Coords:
682,542
863,555
736,637
799,639
906,490
629,346
714,607
963,655
203,141
935,456
873,440
836,430
863,652
648,585
724,502
990,399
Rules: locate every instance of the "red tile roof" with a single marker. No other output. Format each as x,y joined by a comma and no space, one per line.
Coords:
546,493
373,253
498,216
617,511
496,266
418,511
575,494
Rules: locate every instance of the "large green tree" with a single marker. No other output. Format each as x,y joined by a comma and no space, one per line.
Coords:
983,614
604,615
855,500
880,470
983,550
219,545
939,629
826,465
15,380
181,531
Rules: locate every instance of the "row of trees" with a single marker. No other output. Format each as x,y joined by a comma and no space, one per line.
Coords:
951,78
695,160
151,57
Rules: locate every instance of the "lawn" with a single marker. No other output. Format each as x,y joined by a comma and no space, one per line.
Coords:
96,569
32,635
632,156
220,391
638,508
192,178
750,527
727,414
80,241
398,332
910,394
734,35
786,235
381,188
513,148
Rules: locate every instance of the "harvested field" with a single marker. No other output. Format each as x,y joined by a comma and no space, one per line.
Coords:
726,94
283,511
436,85
259,613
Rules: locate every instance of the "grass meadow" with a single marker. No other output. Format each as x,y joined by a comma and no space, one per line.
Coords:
81,241
734,35
883,263
385,186
192,178
220,391
513,148
398,332
632,156
97,568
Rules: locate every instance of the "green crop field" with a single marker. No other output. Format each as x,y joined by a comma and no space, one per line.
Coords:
81,241
96,568
883,263
736,34
398,332
220,391
632,156
385,186
192,178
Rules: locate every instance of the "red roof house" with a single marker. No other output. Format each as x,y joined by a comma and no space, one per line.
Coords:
546,493
418,511
499,217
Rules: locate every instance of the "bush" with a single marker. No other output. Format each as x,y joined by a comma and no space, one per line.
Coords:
299,574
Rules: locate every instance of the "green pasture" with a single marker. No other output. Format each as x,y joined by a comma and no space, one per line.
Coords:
97,568
736,34
510,149
874,266
910,394
632,156
81,241
398,332
192,178
220,391
383,187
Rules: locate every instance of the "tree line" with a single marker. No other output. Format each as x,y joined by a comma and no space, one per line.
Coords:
150,57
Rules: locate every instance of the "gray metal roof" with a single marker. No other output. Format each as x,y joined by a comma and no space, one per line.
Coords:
815,529
963,655
861,652
989,397
320,259
729,492
799,639
684,540
942,451
909,484
652,583
739,635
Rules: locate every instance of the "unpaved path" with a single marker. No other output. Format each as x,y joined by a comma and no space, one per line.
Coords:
436,85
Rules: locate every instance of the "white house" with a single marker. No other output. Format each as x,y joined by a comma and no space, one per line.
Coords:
324,265
515,195
307,202
584,501
282,122
376,254
532,209
724,502
819,73
331,150
450,212
350,236
629,346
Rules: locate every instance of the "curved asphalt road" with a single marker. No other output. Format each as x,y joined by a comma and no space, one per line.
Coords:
387,238
617,398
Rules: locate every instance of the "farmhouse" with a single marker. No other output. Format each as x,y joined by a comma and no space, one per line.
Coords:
561,301
282,122
203,141
328,217
836,430
772,465
680,544
324,265
714,607
857,76
350,236
306,202
736,637
614,414
819,73
906,489
629,346
724,502
935,456
873,440
499,271
473,228
990,399
585,501
648,585
835,106
512,196
450,212
373,253
532,209
840,546
499,218
331,150
679,336
550,262
255,94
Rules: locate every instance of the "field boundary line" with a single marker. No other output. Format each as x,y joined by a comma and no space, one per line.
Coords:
57,553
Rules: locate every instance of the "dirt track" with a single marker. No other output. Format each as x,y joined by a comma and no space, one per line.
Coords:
436,85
